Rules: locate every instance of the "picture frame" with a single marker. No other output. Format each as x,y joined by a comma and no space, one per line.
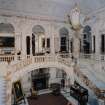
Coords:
18,92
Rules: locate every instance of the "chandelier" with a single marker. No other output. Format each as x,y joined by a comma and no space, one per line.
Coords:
76,19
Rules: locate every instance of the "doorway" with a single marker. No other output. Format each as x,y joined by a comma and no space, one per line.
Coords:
64,40
38,40
40,79
87,40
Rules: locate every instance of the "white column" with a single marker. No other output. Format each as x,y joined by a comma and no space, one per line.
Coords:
98,43
76,45
57,44
23,45
30,45
52,39
18,42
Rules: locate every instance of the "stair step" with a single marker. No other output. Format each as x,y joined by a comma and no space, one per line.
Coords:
2,91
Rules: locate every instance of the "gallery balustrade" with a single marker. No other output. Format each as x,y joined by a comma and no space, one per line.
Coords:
41,58
94,57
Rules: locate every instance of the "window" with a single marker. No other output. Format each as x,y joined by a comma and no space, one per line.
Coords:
48,42
71,43
85,36
28,44
63,44
43,43
64,40
103,43
87,40
7,41
33,44
94,44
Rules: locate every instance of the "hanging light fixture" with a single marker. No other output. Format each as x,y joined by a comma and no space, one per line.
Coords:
76,19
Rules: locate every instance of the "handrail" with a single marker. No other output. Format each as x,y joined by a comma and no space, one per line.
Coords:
6,58
21,64
40,59
94,57
10,58
89,83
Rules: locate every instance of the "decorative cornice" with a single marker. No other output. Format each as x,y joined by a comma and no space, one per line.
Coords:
10,13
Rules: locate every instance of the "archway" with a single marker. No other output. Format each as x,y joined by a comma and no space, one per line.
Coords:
87,40
7,38
69,70
42,78
13,76
64,40
38,40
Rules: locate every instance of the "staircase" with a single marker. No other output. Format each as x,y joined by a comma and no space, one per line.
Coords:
2,91
83,73
87,74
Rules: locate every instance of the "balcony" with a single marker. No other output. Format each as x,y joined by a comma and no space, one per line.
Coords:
87,57
94,57
12,58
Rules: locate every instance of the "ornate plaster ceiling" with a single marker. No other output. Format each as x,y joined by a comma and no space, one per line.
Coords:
57,8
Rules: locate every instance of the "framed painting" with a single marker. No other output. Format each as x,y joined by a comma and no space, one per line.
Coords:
18,93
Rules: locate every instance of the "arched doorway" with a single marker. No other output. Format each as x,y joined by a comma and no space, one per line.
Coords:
42,78
15,75
38,40
7,38
87,40
42,81
64,40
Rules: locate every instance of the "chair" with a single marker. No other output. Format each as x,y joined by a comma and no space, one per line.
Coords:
34,93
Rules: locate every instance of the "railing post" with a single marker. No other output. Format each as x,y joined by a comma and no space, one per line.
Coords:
33,58
56,56
15,57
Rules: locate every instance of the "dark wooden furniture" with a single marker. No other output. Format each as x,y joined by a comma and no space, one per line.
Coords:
55,87
79,93
34,93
